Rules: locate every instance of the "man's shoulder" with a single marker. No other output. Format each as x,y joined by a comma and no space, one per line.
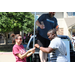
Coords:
54,18
45,14
56,39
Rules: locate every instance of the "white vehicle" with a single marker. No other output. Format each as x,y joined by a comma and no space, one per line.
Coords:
35,57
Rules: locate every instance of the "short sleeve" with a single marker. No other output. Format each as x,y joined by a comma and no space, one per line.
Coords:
54,44
56,24
15,50
41,18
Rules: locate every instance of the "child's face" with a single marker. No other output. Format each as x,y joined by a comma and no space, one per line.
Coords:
19,40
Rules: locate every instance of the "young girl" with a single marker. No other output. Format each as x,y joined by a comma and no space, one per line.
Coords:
19,51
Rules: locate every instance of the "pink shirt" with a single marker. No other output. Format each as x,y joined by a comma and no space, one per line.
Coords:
24,37
19,49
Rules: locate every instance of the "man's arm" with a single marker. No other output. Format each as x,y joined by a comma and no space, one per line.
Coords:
38,24
57,27
46,50
41,18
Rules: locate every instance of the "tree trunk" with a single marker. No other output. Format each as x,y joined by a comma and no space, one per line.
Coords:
6,39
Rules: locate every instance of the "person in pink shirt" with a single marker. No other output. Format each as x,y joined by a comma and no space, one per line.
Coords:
19,51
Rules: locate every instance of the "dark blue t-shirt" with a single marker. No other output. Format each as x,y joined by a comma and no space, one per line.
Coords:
49,23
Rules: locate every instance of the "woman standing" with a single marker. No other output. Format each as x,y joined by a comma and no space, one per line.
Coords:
19,51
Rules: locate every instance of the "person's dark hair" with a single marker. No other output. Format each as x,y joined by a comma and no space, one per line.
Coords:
12,35
52,31
17,35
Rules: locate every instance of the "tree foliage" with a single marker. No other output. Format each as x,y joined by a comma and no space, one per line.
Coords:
14,21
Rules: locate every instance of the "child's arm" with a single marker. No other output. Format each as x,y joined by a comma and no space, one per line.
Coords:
28,53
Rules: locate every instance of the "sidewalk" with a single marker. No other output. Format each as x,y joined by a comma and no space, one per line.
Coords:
7,57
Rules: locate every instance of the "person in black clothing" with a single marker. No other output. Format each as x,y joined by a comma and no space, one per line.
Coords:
45,22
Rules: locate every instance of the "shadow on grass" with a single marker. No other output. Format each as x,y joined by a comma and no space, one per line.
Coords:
6,48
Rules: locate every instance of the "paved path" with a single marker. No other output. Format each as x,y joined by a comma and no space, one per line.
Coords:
7,57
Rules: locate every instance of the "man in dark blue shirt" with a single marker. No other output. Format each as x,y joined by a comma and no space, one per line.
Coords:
45,22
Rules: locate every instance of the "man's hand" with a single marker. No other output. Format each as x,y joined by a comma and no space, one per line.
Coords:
36,45
41,26
38,24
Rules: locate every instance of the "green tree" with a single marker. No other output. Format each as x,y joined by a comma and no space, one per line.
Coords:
15,21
